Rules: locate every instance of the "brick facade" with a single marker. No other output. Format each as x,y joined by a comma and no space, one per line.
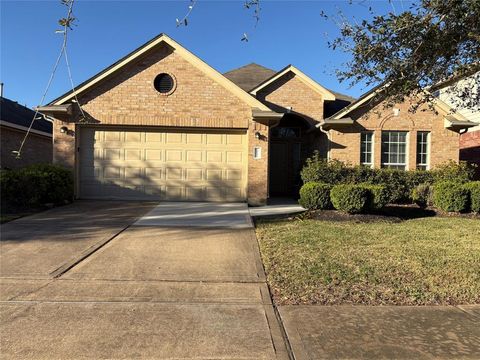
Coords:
345,143
37,148
129,98
470,148
289,91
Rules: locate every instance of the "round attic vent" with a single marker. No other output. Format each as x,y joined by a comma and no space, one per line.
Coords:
164,83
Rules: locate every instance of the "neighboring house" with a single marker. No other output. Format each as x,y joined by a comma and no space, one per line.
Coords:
162,124
469,140
15,120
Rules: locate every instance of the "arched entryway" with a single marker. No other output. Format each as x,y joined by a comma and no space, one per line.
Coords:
290,140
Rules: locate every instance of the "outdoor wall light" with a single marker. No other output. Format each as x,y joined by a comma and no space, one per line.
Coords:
63,129
257,135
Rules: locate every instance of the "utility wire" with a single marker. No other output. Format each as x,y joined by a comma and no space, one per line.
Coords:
63,51
71,83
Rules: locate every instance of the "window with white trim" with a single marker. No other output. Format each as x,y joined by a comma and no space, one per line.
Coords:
423,150
394,149
366,148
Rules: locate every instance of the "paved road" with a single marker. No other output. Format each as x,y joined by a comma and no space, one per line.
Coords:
136,280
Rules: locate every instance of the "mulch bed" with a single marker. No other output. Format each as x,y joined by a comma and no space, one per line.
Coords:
391,213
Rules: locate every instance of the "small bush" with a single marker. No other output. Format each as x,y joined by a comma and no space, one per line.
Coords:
378,196
474,194
36,185
318,169
349,198
450,196
422,195
451,171
314,195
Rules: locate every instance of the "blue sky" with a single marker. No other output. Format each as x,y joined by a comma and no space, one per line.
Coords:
289,32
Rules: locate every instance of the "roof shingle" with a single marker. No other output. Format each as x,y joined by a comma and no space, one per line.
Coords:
13,112
249,76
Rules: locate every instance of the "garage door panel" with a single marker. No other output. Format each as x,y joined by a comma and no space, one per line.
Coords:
129,164
153,155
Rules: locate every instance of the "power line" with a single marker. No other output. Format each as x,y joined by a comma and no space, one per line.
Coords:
66,22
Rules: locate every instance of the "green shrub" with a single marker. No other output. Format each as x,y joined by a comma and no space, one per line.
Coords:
399,184
349,198
314,195
422,195
318,169
474,194
451,171
378,196
36,185
450,196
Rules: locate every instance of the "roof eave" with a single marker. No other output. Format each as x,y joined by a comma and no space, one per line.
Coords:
452,123
328,124
268,117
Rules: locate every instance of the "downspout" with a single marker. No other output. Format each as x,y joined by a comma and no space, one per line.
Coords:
326,132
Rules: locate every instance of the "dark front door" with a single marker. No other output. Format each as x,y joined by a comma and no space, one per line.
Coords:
284,166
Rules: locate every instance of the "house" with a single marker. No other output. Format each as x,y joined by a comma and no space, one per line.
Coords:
162,124
470,139
15,120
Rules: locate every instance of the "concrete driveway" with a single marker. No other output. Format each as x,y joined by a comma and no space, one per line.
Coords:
99,280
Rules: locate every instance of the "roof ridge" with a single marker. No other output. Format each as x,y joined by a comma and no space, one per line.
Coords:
247,65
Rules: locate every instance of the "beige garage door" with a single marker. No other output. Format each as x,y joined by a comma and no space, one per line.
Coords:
123,163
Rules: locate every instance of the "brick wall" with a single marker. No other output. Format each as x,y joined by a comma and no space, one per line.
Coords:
345,144
290,91
258,168
37,148
129,98
470,148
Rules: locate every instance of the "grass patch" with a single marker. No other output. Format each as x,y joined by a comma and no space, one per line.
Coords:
414,262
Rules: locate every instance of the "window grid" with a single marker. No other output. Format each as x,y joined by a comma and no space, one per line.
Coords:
394,149
422,150
366,148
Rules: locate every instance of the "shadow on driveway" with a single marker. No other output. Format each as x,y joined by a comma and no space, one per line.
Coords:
35,246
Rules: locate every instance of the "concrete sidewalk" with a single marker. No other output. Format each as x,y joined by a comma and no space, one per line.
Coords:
383,332
198,214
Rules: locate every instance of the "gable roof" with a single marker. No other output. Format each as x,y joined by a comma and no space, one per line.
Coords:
359,102
249,76
20,116
452,119
184,53
343,97
327,94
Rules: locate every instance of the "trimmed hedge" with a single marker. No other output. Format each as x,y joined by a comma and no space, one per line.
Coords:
422,195
451,196
36,185
474,195
378,196
399,184
315,195
349,198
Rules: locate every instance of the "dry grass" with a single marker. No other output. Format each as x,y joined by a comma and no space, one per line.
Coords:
414,262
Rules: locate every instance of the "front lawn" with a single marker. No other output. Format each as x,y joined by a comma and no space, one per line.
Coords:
414,262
